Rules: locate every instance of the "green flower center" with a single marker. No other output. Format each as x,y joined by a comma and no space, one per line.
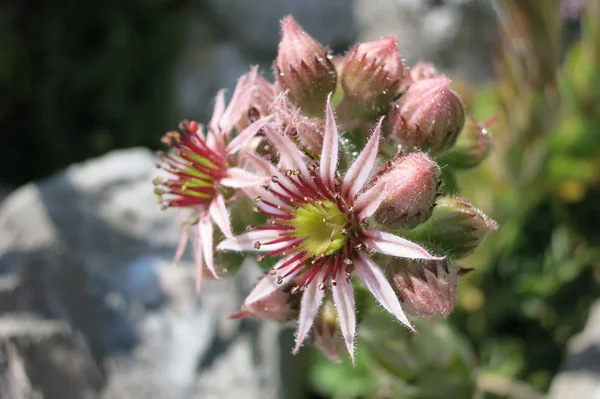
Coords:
321,226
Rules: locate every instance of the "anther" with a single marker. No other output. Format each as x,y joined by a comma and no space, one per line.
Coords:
288,172
260,258
274,179
279,279
157,181
257,245
256,210
257,199
250,227
333,282
348,261
321,286
297,172
295,290
312,168
272,272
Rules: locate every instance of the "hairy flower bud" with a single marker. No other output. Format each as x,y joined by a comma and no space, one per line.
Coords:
259,98
306,131
325,335
411,183
304,68
426,288
372,73
455,228
279,306
472,147
428,116
420,71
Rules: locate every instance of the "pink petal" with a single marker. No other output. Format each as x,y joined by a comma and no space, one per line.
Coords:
329,152
257,191
289,154
261,165
246,241
359,171
218,111
205,231
268,284
390,244
245,135
374,280
218,213
238,178
183,239
311,301
367,203
343,297
197,249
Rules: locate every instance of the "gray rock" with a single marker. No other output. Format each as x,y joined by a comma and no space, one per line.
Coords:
455,35
579,376
43,359
90,249
255,24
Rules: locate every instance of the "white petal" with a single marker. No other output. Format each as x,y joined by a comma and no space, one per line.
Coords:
246,241
343,296
245,135
359,171
268,284
238,178
197,249
329,152
393,245
183,239
218,111
367,203
205,231
309,307
374,280
218,213
289,154
266,195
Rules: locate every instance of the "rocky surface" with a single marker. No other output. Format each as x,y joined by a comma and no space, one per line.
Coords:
579,376
87,255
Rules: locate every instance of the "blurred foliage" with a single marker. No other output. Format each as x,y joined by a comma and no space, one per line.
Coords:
80,78
536,278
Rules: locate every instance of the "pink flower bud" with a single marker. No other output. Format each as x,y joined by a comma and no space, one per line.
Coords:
428,116
372,73
426,288
304,130
259,98
411,183
472,147
325,335
456,228
279,306
304,68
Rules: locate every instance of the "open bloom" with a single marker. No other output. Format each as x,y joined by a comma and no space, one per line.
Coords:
318,225
200,169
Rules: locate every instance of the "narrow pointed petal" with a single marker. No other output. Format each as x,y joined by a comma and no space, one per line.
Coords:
390,244
268,284
309,307
374,280
205,231
368,202
218,213
289,154
359,171
246,241
343,296
258,191
183,239
218,111
197,249
329,153
245,135
239,178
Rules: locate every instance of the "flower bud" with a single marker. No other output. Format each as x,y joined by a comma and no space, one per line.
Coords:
420,71
472,147
304,130
259,98
281,305
456,228
372,73
304,69
325,335
428,116
426,288
412,185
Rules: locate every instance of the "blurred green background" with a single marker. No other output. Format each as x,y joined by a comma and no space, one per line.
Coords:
75,84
